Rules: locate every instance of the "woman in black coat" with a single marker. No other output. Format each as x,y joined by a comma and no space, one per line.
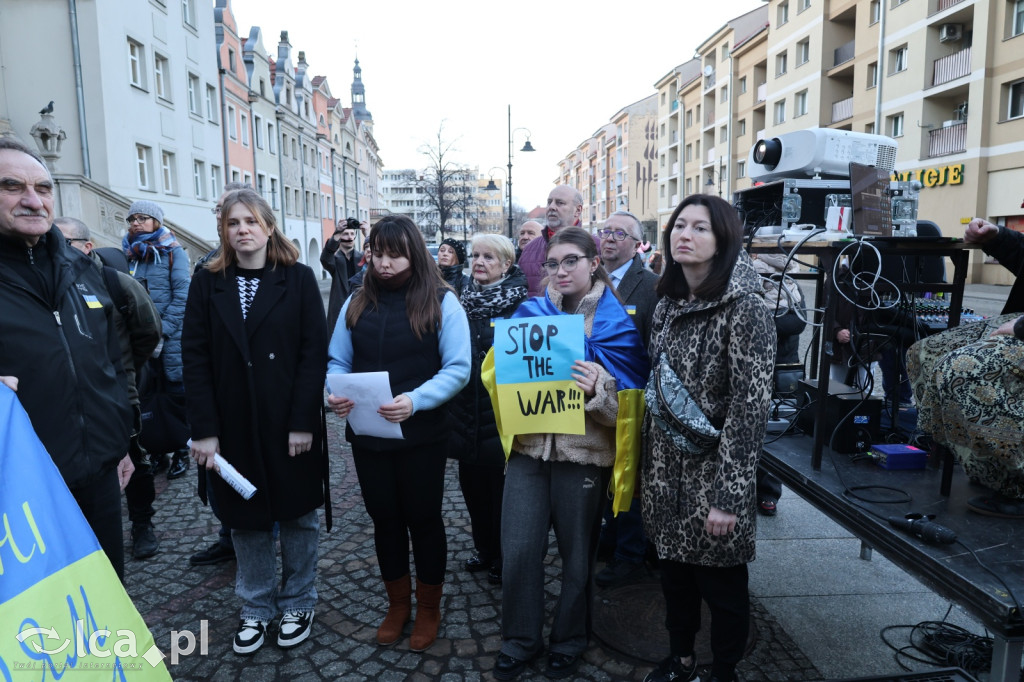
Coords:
496,288
254,344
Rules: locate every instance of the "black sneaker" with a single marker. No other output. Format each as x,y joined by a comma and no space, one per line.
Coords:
214,554
144,542
508,667
294,629
250,636
672,670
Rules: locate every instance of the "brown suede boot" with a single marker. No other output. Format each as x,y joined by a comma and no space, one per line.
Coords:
428,616
399,610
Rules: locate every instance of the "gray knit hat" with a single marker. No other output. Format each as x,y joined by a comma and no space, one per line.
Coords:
150,208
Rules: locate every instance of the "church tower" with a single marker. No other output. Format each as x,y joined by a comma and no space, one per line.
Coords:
359,95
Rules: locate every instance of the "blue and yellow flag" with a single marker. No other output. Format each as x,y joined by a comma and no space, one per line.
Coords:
616,344
62,607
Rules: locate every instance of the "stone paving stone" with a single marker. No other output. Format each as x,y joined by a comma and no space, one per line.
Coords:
173,596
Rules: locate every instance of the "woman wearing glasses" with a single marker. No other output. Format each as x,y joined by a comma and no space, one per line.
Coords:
561,480
716,334
157,260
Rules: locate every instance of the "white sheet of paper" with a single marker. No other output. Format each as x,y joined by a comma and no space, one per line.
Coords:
368,390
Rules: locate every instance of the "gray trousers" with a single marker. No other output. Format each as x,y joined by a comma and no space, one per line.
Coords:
539,495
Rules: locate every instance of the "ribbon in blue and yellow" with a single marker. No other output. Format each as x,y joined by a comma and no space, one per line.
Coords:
62,606
616,344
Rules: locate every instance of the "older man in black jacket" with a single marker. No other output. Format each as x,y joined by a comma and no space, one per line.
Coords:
621,236
58,339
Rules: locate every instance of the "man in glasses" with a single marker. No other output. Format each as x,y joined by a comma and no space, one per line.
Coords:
341,260
565,206
139,331
622,536
69,375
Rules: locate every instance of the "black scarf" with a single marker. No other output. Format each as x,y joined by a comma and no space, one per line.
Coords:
493,301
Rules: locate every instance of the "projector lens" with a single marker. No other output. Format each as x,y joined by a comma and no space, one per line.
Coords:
768,152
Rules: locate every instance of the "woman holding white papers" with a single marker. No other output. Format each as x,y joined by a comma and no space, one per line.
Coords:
561,480
407,322
253,345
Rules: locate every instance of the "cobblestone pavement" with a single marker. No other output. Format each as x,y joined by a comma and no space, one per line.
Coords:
172,596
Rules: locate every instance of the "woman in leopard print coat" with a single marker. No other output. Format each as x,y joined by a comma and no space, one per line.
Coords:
699,510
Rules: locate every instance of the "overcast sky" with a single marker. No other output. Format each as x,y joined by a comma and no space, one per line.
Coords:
564,67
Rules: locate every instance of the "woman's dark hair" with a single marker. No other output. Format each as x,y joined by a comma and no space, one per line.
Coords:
580,238
398,236
280,251
728,231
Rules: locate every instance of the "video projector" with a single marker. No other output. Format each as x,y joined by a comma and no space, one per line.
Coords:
819,152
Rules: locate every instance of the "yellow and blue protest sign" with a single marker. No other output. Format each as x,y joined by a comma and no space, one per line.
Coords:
62,606
533,360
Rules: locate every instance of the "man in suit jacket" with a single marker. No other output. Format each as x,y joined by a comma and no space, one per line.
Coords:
621,236
341,259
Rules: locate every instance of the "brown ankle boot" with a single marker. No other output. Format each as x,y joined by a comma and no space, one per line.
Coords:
399,610
428,616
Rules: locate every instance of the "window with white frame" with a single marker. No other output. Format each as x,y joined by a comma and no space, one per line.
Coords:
898,59
689,117
144,166
136,64
689,185
215,184
743,84
803,51
247,178
802,5
168,172
869,128
232,123
781,63
211,105
261,185
872,75
741,127
724,97
1017,21
874,11
194,105
1014,99
689,152
245,130
895,125
199,178
161,76
273,193
271,139
800,103
188,12
723,133
741,169
782,13
257,130
780,111
287,199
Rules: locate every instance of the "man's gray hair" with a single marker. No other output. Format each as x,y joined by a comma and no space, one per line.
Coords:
639,226
9,142
79,230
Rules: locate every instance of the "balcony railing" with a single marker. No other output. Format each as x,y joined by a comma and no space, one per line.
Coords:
760,134
762,92
946,4
709,118
674,137
842,110
675,168
711,156
844,53
948,140
952,67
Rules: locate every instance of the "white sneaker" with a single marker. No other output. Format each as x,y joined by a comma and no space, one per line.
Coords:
250,636
295,628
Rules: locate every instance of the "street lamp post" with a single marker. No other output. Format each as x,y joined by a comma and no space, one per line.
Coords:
526,148
711,180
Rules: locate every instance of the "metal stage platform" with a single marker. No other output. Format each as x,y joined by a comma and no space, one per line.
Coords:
949,569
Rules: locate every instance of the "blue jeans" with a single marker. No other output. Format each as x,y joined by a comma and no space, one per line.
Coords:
257,568
539,495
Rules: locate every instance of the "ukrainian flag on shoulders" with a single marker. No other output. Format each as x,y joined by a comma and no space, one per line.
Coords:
62,607
616,344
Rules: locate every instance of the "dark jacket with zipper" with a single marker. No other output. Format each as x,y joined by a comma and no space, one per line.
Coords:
251,381
57,336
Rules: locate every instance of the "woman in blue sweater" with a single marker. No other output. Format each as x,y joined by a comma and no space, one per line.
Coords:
406,321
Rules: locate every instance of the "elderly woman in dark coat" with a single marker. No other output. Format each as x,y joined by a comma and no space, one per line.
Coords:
496,288
254,344
716,332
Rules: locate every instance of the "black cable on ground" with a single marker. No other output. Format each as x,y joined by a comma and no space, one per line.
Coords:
941,644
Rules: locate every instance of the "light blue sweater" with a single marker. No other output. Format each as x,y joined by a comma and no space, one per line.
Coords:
453,341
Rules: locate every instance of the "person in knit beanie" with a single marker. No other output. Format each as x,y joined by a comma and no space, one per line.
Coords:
451,258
